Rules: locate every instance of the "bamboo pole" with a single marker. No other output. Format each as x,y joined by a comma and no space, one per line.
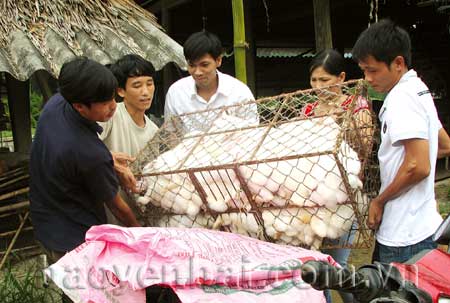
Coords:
12,232
11,213
14,181
15,206
14,193
239,40
12,172
8,176
14,239
21,249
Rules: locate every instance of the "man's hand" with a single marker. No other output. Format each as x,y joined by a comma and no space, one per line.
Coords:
123,171
127,180
121,159
376,209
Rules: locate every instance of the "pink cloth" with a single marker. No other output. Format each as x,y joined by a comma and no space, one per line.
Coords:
115,264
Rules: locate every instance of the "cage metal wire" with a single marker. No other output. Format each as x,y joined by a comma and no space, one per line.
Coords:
301,173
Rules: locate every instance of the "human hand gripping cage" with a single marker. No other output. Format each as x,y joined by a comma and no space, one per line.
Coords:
289,177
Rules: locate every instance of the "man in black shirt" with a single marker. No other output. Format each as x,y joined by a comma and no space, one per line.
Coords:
71,170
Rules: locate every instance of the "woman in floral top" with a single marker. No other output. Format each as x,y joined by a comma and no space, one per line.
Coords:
327,72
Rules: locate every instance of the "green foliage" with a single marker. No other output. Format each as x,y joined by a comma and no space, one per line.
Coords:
292,107
375,96
444,209
25,289
36,102
5,105
5,133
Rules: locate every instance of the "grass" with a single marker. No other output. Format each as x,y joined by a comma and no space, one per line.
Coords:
5,133
444,209
24,288
442,190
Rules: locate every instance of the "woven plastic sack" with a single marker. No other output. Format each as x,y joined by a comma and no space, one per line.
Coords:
116,264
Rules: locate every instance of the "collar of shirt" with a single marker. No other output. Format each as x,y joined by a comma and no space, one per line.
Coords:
75,116
222,89
409,74
405,77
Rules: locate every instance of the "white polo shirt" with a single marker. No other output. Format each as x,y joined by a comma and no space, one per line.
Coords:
182,98
408,112
122,134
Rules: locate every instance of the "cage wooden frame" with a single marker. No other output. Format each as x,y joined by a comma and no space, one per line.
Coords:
369,170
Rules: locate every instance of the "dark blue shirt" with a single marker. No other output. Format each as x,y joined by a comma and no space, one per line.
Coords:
71,176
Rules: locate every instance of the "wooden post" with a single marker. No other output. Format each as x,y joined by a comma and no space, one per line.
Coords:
322,24
19,111
239,40
42,78
168,76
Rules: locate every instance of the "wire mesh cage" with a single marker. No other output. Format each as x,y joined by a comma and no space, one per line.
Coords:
296,168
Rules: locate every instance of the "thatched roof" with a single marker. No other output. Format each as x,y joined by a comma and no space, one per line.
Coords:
43,34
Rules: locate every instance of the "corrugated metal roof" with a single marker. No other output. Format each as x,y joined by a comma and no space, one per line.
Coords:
284,52
31,40
290,52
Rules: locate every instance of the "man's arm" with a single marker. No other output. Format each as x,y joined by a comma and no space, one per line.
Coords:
122,211
123,171
443,144
415,168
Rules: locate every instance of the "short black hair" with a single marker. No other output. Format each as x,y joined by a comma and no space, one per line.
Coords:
384,41
85,81
330,60
131,66
202,43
